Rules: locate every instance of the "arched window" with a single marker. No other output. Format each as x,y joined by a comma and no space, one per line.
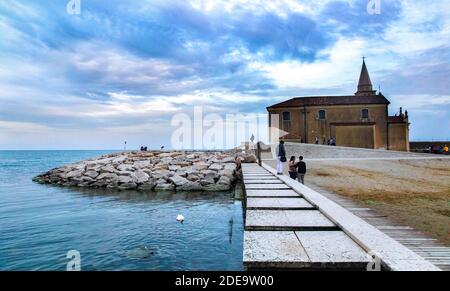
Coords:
365,113
322,114
286,121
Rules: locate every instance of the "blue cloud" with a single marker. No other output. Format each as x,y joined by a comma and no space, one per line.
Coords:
53,64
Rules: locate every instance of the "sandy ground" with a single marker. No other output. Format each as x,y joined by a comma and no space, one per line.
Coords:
415,193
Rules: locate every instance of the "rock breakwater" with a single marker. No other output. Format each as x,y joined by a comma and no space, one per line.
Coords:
158,171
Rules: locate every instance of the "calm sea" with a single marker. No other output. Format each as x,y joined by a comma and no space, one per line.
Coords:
39,224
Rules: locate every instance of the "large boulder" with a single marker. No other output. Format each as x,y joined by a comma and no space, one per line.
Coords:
126,179
178,180
140,177
108,169
73,174
125,167
141,164
200,166
147,186
190,186
215,167
165,187
127,186
216,187
92,174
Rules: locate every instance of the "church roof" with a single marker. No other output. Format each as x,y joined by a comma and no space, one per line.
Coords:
364,78
331,100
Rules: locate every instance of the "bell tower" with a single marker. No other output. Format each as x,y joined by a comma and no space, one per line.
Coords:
365,84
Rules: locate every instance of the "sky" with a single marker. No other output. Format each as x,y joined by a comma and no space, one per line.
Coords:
121,70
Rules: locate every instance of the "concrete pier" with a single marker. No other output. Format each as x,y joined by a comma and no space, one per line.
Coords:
288,225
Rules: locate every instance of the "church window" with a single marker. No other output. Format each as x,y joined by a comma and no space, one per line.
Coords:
322,115
286,121
365,113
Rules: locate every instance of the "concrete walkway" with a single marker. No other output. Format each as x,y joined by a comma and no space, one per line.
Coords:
288,225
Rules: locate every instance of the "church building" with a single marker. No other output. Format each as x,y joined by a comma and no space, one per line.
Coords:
359,120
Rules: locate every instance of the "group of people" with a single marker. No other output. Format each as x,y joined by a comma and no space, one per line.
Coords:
330,142
143,148
436,149
297,169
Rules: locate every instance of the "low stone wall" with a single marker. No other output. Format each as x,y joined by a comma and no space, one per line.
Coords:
312,151
158,171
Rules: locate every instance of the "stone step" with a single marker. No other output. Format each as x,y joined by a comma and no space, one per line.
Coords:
258,176
287,220
278,204
302,249
266,186
259,181
272,193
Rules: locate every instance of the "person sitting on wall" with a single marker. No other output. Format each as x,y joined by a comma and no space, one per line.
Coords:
301,169
293,168
333,141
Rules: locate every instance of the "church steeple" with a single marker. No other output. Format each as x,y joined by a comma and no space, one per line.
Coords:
364,84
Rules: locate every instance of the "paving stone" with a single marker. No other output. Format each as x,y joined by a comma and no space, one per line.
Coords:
264,176
274,203
266,186
271,193
287,220
259,181
276,249
335,247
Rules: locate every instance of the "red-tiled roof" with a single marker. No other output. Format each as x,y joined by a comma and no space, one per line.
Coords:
331,100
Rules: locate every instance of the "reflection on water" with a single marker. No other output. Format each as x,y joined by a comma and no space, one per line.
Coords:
112,230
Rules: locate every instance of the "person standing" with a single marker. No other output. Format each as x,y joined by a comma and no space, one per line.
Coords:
301,168
293,168
281,157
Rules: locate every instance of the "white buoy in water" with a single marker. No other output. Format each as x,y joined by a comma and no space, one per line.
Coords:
180,218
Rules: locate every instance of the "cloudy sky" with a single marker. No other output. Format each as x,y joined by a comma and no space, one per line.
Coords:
121,69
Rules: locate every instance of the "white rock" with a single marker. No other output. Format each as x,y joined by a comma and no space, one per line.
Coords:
140,177
230,166
142,164
164,187
200,166
91,174
107,176
125,179
178,180
215,167
108,169
224,180
119,159
105,161
125,167
73,174
228,160
174,168
190,186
